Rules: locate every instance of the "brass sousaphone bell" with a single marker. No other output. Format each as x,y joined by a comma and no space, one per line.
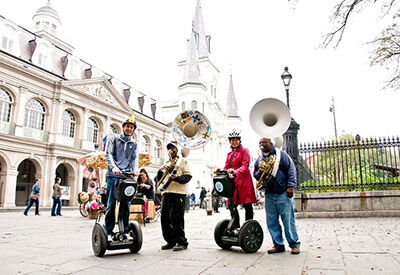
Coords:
270,118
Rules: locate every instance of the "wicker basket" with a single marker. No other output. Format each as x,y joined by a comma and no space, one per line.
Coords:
92,215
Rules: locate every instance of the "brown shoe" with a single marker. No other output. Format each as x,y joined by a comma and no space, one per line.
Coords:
275,250
295,250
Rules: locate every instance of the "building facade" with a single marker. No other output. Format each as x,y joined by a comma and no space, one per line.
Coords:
54,108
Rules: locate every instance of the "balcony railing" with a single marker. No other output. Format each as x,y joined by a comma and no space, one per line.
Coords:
68,141
36,134
7,128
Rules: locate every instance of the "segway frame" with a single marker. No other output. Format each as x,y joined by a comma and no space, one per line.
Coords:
228,233
125,190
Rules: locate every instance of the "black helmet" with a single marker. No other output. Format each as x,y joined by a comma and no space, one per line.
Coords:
130,120
234,134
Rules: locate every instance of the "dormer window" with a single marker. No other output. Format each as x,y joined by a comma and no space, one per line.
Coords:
7,41
41,56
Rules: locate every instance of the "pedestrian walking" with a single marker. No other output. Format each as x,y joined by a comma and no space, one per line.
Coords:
56,198
34,198
202,196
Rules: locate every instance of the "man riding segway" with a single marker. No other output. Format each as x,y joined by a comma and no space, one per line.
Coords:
121,154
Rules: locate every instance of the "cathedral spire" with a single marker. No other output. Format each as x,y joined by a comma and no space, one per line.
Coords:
192,71
203,40
231,103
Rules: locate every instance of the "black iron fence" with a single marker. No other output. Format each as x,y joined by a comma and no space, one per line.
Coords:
349,165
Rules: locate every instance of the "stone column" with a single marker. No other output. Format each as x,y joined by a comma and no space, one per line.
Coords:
48,181
9,185
20,113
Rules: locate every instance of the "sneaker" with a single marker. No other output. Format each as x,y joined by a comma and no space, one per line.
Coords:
275,250
167,246
25,214
179,247
37,214
295,250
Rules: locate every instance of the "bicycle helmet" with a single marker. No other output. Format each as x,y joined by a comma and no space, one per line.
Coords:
234,134
130,120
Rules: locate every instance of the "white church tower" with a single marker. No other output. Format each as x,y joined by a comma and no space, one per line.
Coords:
200,90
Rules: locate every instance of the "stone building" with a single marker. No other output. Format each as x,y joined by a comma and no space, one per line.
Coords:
54,107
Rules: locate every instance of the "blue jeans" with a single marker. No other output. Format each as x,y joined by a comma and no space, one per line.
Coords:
111,202
56,202
279,205
31,201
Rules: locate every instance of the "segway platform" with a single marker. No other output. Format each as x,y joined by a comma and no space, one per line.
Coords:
125,190
228,233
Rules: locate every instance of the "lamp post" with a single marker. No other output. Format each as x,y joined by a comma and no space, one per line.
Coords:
332,110
291,135
287,78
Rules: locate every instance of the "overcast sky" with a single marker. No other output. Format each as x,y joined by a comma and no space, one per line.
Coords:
141,43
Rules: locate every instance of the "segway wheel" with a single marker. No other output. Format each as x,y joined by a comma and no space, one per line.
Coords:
136,233
219,233
82,210
99,240
251,236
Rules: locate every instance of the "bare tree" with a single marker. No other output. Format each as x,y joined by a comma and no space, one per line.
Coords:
386,47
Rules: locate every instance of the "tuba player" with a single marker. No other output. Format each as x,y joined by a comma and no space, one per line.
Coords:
174,200
279,197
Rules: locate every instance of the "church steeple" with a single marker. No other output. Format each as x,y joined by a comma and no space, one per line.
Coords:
231,103
192,72
202,40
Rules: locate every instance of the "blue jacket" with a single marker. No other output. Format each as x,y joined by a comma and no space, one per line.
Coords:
286,175
35,189
121,152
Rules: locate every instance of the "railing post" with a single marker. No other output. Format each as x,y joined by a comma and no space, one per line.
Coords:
359,160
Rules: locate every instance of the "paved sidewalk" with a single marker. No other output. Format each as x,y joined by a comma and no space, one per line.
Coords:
62,245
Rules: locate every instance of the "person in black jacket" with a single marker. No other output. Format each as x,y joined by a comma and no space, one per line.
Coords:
203,194
146,186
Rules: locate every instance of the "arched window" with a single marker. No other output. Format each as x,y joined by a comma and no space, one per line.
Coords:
157,149
92,130
194,105
183,106
68,124
112,130
34,114
5,105
145,145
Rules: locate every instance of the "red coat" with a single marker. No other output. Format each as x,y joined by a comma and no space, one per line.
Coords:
244,192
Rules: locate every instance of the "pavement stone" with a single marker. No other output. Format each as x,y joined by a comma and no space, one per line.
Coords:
62,245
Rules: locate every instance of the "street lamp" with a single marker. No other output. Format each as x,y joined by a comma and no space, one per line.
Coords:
287,78
332,110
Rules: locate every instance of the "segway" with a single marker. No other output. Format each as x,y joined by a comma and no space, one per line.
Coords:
125,190
228,233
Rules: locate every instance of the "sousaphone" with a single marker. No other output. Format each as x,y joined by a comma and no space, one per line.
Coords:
270,118
191,129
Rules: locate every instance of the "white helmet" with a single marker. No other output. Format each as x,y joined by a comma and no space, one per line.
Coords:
234,134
